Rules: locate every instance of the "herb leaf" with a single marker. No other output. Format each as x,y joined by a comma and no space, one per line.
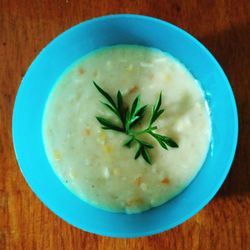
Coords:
128,142
142,111
139,114
136,114
131,117
105,94
156,112
138,153
164,141
119,102
158,103
135,106
146,144
170,142
145,155
111,108
156,115
108,125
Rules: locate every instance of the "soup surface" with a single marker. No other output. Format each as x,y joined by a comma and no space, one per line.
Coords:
92,162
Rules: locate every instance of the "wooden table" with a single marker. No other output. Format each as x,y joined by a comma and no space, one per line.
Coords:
27,26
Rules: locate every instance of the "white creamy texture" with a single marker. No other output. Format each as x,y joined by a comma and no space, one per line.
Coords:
92,162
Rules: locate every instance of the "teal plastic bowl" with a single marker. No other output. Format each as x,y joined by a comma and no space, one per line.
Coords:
64,51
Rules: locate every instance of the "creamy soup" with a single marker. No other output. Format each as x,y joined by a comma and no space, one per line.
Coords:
92,162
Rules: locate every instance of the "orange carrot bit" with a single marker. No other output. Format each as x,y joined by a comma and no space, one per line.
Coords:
86,131
81,71
165,181
133,90
138,181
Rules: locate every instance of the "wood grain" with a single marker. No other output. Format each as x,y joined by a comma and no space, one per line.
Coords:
27,26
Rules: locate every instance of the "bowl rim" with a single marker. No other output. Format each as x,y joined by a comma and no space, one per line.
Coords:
227,167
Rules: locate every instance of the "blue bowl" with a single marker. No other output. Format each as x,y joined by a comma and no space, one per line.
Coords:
65,50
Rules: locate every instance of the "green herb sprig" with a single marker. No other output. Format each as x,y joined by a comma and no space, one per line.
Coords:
129,118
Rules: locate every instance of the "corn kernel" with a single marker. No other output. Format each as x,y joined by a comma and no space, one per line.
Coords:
116,172
130,67
135,202
108,148
167,77
81,71
57,155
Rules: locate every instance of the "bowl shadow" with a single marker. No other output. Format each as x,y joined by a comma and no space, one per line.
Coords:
232,49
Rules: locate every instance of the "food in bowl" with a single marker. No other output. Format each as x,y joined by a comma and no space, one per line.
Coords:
98,163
